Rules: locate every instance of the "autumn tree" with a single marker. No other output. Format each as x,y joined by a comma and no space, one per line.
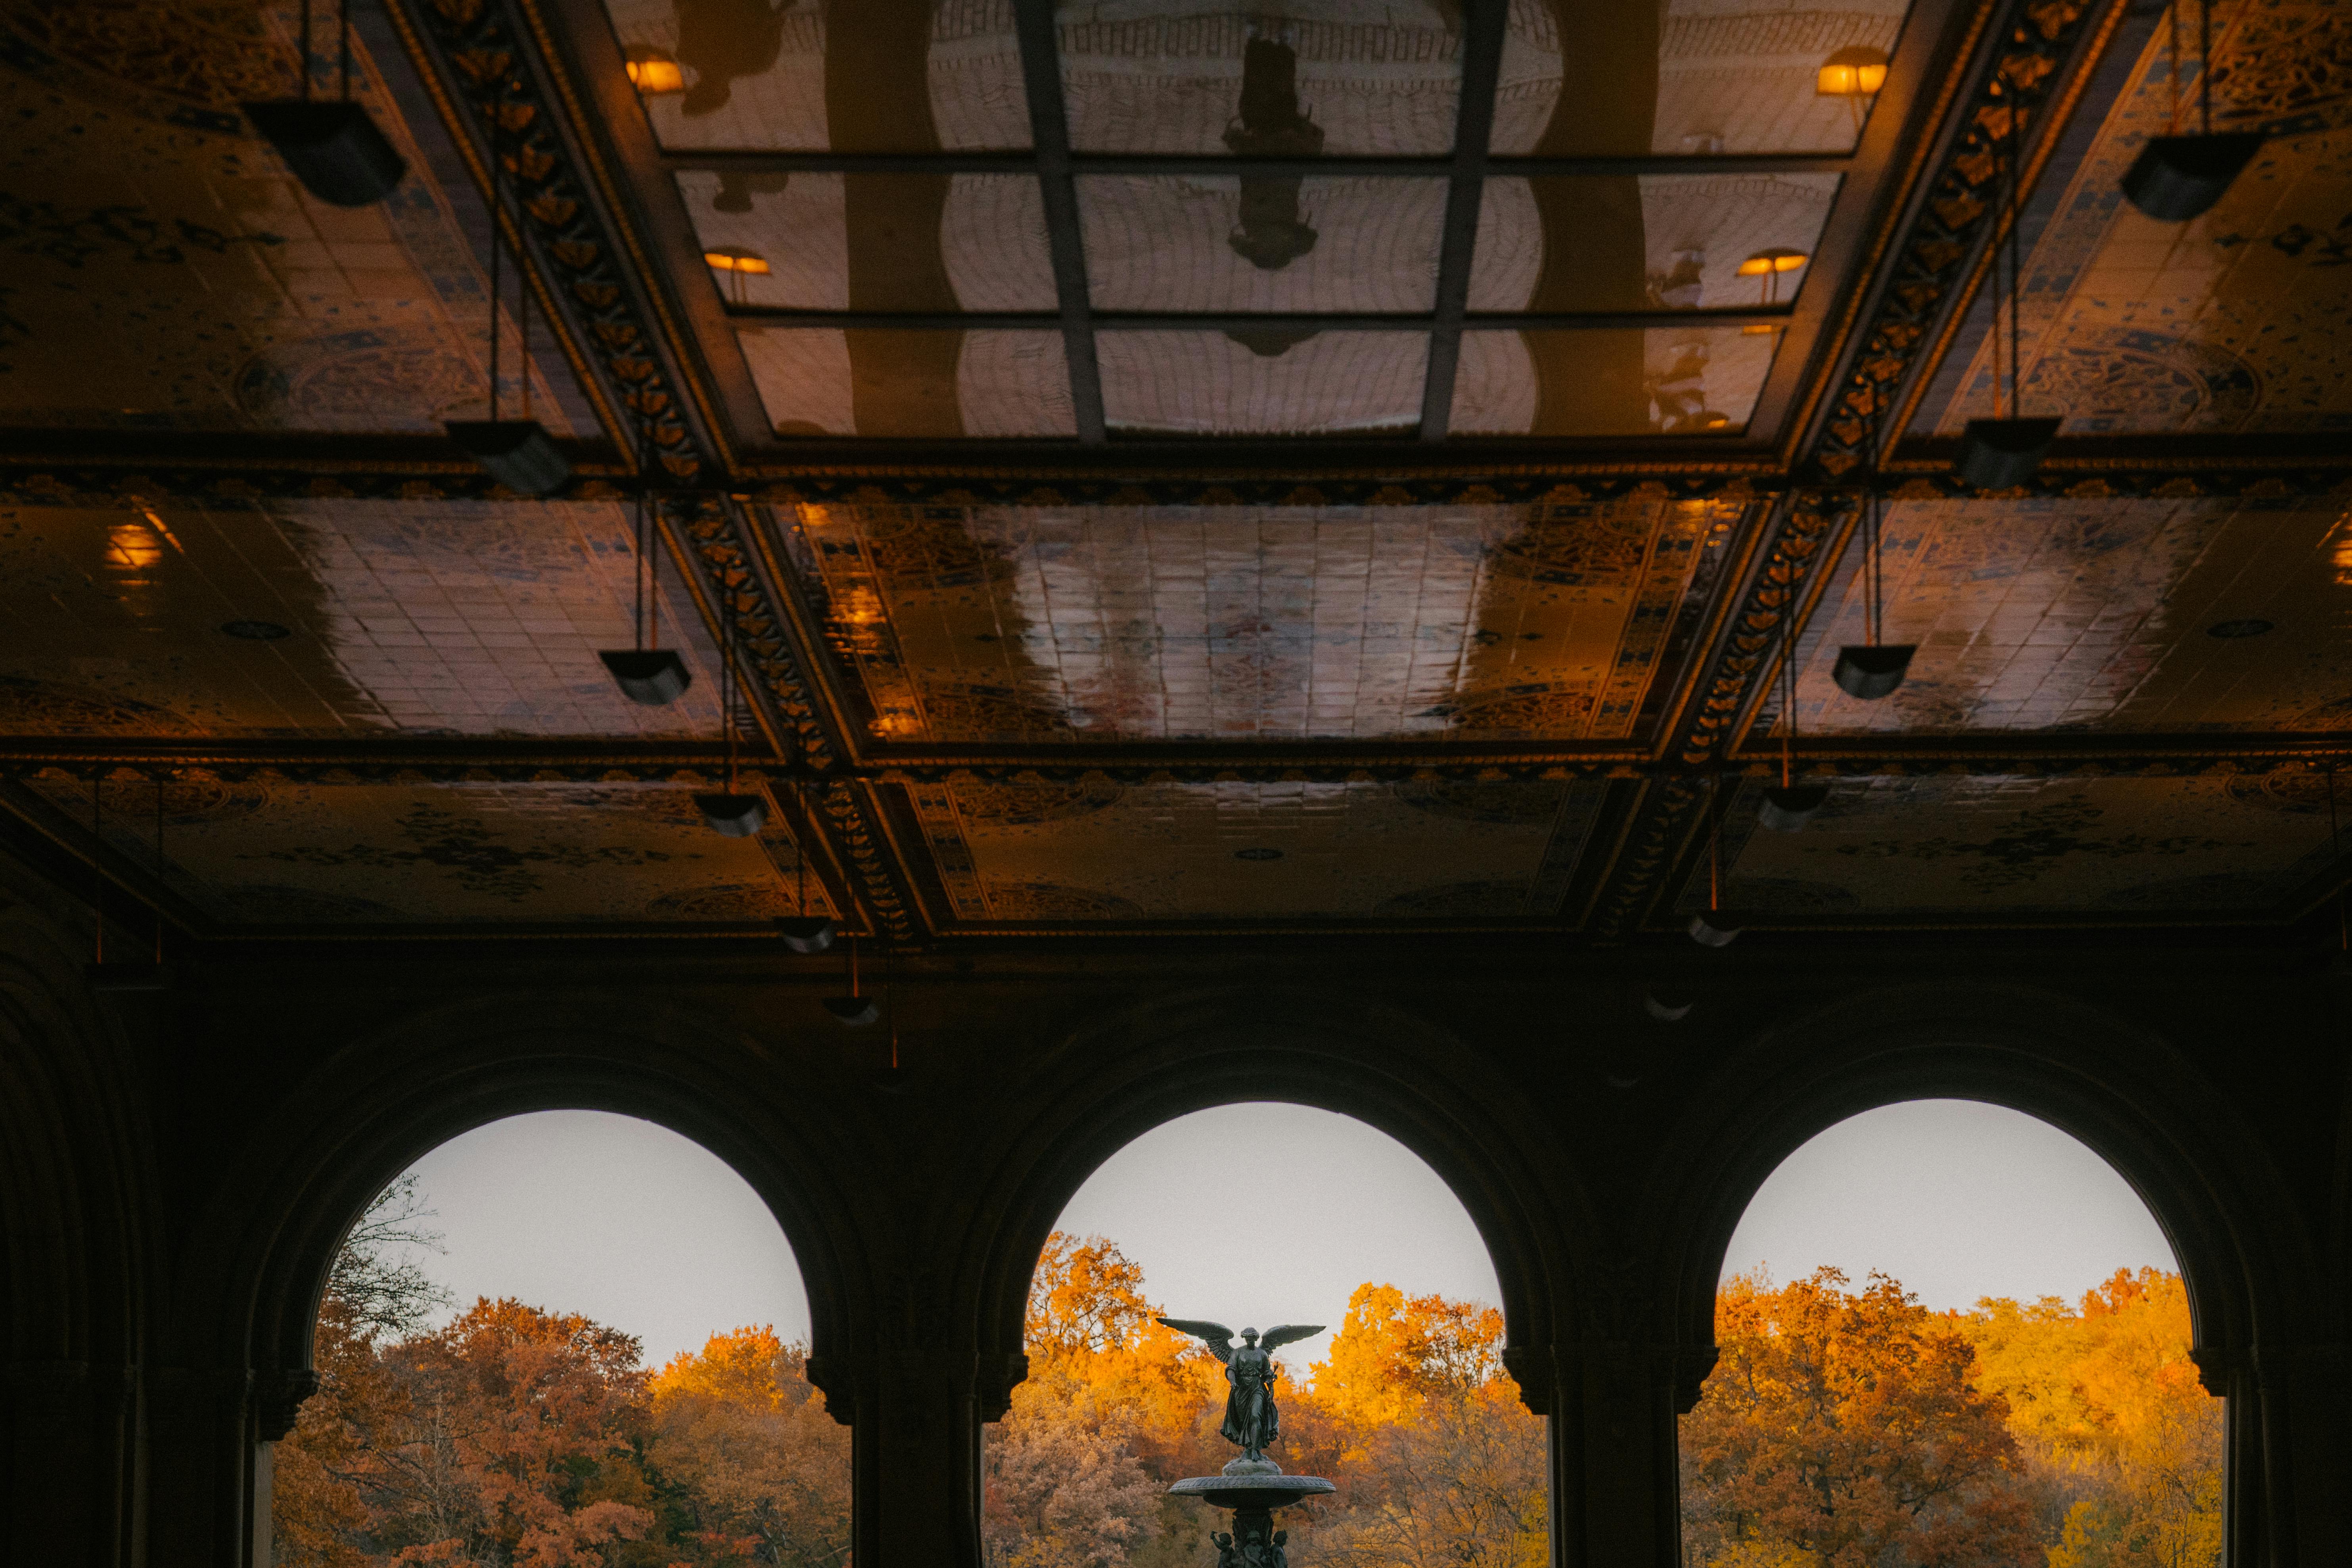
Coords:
752,1458
1843,1427
520,1451
324,1469
2106,1400
1439,1459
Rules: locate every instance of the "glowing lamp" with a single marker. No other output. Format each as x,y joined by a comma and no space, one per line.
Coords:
654,71
735,258
1855,72
854,1012
1713,929
1765,262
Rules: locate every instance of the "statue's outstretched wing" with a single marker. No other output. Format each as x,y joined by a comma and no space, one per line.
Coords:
1287,1333
1216,1336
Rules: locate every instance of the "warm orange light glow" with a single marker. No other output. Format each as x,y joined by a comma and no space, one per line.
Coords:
734,258
653,70
1855,72
1758,330
1765,261
133,546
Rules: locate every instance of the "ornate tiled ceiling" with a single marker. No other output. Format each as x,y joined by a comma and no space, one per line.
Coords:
1164,468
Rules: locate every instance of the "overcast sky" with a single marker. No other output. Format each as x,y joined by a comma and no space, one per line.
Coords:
640,1228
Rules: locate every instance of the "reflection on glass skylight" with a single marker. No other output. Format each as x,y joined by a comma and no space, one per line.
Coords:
874,242
1290,79
1261,243
1689,78
1268,383
931,385
1648,242
1658,380
799,76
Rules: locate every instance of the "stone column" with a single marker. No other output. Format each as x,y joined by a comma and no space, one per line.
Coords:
69,1431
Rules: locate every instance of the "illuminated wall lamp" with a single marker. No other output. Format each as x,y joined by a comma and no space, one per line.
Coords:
654,71
1857,71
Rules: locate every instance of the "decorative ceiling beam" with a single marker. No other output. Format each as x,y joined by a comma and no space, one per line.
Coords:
380,758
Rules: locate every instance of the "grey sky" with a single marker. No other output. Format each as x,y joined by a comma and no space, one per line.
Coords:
642,1229
627,1222
1955,1199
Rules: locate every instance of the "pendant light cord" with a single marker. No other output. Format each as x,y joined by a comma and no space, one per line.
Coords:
342,43
306,51
1788,703
1714,843
2205,66
2335,854
2172,66
2016,269
498,245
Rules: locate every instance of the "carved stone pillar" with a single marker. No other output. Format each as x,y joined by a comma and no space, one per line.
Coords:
207,1482
1615,1498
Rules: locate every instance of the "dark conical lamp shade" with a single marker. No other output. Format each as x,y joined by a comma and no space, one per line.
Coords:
1667,1004
805,933
1871,671
736,816
333,148
1713,929
653,677
2176,178
1788,807
2000,454
518,453
853,1011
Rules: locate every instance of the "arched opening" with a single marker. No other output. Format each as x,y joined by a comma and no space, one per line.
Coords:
1951,1331
569,1338
1266,1216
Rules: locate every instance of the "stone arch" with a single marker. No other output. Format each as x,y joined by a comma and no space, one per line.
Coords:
2126,1094
78,1246
1108,1084
376,1105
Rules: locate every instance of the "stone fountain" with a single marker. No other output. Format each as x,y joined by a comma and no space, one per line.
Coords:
1253,1485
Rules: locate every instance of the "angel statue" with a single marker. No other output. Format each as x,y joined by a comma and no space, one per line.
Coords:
1251,1419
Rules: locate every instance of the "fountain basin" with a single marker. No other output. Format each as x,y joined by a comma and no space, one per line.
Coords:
1251,1491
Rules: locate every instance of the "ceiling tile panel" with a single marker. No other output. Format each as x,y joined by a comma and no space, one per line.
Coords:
429,617
163,272
2061,615
1093,853
1481,622
273,852
909,382
1263,381
2193,849
2238,320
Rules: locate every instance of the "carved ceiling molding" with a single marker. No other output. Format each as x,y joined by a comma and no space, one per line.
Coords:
480,46
702,764
1371,486
2024,74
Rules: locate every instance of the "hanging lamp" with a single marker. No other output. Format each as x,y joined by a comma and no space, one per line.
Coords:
2176,178
735,815
2000,454
647,674
1668,1003
338,153
803,931
1873,668
855,1010
1788,805
1714,928
518,453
